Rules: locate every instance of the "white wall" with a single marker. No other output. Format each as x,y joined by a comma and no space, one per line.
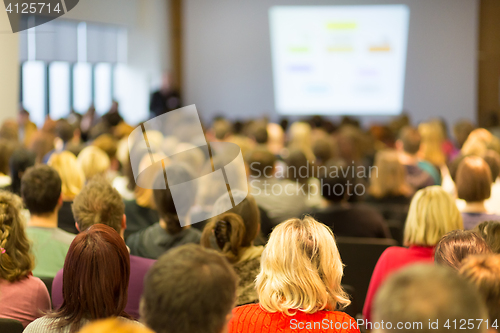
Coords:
9,69
227,57
148,49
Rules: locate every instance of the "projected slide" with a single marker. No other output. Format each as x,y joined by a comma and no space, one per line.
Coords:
339,59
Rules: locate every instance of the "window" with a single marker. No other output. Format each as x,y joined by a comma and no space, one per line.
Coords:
82,87
102,88
59,90
34,90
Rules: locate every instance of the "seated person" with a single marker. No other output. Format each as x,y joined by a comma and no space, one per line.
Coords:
483,271
422,295
490,232
457,245
474,183
408,145
72,182
432,214
344,218
99,202
189,289
41,191
155,240
299,283
114,325
233,234
389,190
95,282
281,199
23,297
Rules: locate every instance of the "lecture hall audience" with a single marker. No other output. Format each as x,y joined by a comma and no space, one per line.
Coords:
99,202
238,280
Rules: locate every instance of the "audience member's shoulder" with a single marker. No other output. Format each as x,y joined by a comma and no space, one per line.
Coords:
40,325
136,262
64,236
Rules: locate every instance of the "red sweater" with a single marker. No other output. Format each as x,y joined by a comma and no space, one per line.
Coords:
252,318
393,259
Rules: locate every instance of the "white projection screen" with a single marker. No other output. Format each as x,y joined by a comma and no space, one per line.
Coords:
339,59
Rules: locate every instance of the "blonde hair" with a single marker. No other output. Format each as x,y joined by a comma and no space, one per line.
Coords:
16,260
93,161
432,214
301,269
114,325
391,175
72,176
433,136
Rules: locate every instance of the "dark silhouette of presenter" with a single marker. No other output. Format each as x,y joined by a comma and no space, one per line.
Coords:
166,99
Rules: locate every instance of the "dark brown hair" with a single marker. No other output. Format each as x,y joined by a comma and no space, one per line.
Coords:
225,233
98,202
41,189
410,138
261,162
189,289
164,200
95,278
490,231
17,261
473,179
456,245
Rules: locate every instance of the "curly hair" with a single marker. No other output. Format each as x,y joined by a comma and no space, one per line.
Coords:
16,259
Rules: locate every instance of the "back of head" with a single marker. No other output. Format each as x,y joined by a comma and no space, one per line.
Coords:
261,162
41,189
188,290
64,130
95,279
457,245
484,272
98,202
461,130
410,139
225,233
492,158
334,180
298,166
419,295
108,144
390,179
473,179
20,160
301,269
114,325
69,170
432,214
16,261
247,209
490,232
222,128
9,130
171,212
6,149
93,161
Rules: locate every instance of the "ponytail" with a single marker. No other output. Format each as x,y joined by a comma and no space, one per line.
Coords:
225,233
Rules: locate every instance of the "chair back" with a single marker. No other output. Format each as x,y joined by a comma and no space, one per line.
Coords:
10,326
360,255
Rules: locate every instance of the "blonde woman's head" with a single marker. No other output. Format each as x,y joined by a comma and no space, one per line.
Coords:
72,176
301,269
432,214
93,161
390,176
